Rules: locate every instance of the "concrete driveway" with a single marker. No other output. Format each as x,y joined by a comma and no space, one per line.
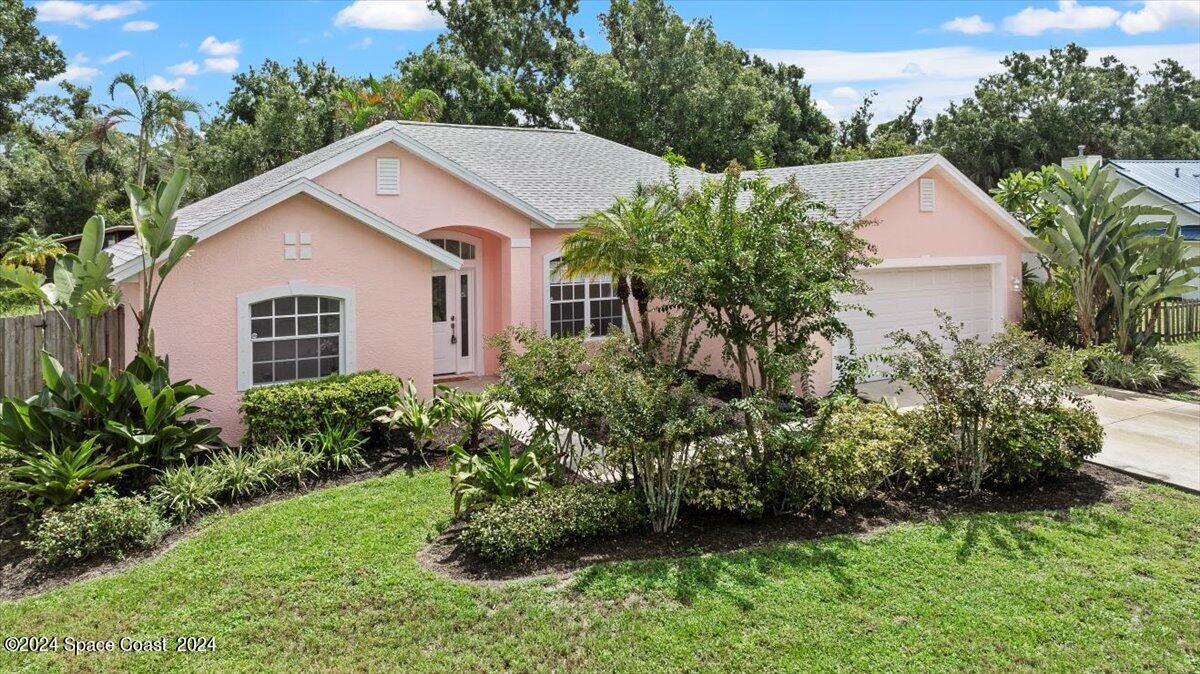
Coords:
1144,435
1149,436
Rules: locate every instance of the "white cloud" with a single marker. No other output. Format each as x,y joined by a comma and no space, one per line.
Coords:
223,64
79,13
1160,15
971,25
385,15
139,26
53,38
77,72
940,75
845,92
160,83
214,47
363,43
1070,15
116,56
185,68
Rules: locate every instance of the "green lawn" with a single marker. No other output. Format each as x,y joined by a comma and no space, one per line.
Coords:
328,581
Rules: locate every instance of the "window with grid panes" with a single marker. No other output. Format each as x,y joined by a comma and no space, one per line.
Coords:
298,337
576,303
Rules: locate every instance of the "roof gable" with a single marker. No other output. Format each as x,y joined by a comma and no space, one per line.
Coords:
129,266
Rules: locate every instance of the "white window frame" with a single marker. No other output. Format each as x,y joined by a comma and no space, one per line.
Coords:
245,346
587,300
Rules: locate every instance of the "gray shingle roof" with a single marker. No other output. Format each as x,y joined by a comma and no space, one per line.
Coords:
1159,175
849,186
562,174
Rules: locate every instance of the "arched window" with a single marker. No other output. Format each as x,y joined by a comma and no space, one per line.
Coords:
462,249
577,303
294,332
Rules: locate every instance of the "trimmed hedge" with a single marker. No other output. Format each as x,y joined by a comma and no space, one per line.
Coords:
292,411
527,527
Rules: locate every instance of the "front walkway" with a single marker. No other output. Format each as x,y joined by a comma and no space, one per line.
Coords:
1145,435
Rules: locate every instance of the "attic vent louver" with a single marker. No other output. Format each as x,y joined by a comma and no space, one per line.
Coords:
927,195
387,176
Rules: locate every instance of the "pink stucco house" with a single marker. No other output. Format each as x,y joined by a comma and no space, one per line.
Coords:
404,246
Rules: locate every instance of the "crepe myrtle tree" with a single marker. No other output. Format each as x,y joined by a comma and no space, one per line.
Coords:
764,268
154,223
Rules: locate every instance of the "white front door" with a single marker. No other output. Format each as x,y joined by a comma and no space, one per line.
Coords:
454,328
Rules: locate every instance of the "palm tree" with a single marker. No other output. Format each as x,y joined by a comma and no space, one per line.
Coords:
32,250
385,99
157,113
621,242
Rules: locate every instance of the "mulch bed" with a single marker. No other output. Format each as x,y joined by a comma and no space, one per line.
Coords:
700,532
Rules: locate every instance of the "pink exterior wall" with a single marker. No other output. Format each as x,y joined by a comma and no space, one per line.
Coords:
195,321
957,228
432,199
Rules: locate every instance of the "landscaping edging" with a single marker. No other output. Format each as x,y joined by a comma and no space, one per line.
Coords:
703,533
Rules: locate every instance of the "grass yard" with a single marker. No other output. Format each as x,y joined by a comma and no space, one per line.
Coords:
328,581
1191,351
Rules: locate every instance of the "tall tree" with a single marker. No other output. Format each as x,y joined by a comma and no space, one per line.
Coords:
26,56
670,84
1166,121
274,114
160,117
498,61
1036,112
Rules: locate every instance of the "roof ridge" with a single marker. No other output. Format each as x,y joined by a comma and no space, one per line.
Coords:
407,122
922,155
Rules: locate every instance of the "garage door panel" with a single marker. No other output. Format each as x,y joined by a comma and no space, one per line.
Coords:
907,299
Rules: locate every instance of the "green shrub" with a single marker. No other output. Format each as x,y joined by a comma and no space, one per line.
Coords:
1031,446
1049,312
337,448
529,527
292,411
848,451
494,475
185,490
413,416
102,525
138,414
60,477
1150,368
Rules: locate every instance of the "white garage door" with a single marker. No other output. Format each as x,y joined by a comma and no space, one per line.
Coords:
905,299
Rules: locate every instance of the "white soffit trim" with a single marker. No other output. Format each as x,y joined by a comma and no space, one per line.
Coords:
964,184
331,199
441,161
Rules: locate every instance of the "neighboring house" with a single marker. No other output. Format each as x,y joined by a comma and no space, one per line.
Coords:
403,247
1173,184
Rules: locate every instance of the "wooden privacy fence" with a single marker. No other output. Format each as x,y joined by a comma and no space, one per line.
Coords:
1178,320
23,337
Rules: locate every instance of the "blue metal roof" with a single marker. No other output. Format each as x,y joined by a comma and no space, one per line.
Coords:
1177,180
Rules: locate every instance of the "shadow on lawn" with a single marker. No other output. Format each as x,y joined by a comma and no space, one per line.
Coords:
671,560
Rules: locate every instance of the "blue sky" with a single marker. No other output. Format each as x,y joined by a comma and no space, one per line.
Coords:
901,49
